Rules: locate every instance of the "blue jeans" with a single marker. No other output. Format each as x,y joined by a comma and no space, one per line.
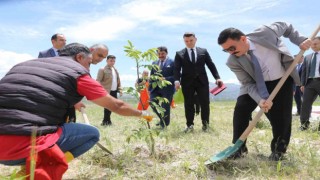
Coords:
76,138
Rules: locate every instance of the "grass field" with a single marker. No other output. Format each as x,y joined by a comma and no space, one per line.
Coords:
182,156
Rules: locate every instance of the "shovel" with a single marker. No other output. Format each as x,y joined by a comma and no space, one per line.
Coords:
233,149
86,120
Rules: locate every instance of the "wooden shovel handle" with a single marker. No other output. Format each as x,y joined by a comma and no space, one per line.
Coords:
86,120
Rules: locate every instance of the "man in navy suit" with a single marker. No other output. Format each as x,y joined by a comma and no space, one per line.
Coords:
297,91
166,68
58,41
310,80
193,78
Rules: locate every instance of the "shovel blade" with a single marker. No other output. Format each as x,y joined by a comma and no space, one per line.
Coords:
225,153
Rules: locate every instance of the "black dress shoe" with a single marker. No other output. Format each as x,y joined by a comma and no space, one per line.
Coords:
204,127
276,156
303,128
189,129
242,152
106,123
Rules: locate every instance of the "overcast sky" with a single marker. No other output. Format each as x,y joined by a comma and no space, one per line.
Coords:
26,26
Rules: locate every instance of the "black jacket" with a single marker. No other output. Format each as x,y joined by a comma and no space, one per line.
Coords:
37,93
192,71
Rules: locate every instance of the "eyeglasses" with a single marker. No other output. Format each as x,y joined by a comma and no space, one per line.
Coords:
230,49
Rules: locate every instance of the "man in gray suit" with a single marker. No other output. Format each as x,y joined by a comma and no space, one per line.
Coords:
58,41
273,60
310,80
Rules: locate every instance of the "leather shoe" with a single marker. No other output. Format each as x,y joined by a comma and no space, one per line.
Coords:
106,123
276,156
304,126
189,129
242,152
205,127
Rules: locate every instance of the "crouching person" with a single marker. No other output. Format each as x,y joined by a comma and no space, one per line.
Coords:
36,94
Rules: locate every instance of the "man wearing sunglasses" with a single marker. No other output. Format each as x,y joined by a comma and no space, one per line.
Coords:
273,59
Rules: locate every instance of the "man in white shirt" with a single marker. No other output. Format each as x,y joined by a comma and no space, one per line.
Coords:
109,78
265,47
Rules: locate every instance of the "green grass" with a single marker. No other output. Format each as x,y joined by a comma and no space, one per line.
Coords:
182,156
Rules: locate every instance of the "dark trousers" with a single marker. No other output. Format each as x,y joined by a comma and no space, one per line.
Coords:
107,113
298,98
71,113
279,115
189,101
196,104
311,92
165,119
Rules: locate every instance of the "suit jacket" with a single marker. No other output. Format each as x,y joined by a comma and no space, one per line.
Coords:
305,69
104,77
167,72
191,71
47,53
269,37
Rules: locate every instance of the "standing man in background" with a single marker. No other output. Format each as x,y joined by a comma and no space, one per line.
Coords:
58,41
193,78
109,78
310,80
297,88
166,69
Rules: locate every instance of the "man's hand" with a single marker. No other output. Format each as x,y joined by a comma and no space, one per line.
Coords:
79,105
219,82
265,105
147,116
302,88
305,45
177,85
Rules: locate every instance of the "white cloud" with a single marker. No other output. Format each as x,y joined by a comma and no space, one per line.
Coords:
9,59
107,28
128,77
159,12
20,31
128,80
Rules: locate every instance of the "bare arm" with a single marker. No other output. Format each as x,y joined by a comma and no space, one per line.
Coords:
117,106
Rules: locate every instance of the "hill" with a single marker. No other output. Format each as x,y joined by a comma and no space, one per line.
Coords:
230,93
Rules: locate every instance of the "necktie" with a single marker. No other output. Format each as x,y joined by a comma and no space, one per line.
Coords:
261,86
313,65
193,56
299,69
161,64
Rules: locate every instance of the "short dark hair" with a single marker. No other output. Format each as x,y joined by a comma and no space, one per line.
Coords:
55,36
111,56
73,49
232,33
189,34
162,48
